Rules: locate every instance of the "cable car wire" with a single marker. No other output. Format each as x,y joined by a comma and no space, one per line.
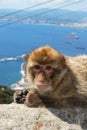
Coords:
25,9
44,12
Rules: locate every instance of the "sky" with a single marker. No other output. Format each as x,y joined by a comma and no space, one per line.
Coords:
21,4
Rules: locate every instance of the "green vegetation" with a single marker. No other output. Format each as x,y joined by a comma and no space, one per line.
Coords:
6,95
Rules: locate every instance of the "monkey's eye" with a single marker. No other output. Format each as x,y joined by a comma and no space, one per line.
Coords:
48,67
36,68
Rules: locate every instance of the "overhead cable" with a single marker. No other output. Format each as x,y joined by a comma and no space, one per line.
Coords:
44,12
25,9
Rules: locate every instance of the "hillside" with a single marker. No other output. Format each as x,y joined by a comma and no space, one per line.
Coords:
50,16
6,95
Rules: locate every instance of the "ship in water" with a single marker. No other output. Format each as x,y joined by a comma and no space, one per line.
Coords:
72,36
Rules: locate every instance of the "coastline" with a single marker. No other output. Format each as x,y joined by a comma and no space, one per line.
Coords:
68,25
22,39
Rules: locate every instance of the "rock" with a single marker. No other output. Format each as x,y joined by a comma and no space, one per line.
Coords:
19,117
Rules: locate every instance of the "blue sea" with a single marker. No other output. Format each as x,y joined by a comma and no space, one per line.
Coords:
18,39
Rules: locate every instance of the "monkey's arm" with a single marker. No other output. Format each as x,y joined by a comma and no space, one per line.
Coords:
33,100
20,95
29,97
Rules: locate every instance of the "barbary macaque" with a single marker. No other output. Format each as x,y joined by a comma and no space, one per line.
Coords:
56,80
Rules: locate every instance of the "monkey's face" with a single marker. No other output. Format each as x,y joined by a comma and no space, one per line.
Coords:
43,76
43,66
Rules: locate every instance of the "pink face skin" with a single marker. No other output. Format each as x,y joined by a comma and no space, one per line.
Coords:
42,79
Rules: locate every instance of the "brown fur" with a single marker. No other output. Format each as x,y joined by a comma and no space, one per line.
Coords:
68,83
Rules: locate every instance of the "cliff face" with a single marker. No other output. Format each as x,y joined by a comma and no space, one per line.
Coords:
19,117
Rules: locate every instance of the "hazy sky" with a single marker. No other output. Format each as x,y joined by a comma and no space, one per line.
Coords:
20,4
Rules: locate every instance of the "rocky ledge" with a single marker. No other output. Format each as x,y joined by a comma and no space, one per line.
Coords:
19,117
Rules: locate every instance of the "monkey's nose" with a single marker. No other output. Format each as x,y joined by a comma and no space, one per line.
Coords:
42,81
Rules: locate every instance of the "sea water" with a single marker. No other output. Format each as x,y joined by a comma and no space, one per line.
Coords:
19,39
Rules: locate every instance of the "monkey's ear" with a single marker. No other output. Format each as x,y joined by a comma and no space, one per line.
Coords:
27,57
63,61
63,58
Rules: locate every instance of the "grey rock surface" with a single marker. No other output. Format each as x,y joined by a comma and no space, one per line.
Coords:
19,117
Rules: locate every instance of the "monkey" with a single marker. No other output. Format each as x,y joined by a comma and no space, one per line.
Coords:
56,80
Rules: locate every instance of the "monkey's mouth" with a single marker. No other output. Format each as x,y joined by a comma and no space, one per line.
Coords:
42,87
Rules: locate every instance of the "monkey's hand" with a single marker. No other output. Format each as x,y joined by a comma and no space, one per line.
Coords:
33,100
20,95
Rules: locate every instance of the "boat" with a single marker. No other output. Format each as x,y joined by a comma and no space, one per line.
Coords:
72,36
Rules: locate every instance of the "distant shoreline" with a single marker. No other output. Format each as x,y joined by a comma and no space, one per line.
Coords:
71,25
